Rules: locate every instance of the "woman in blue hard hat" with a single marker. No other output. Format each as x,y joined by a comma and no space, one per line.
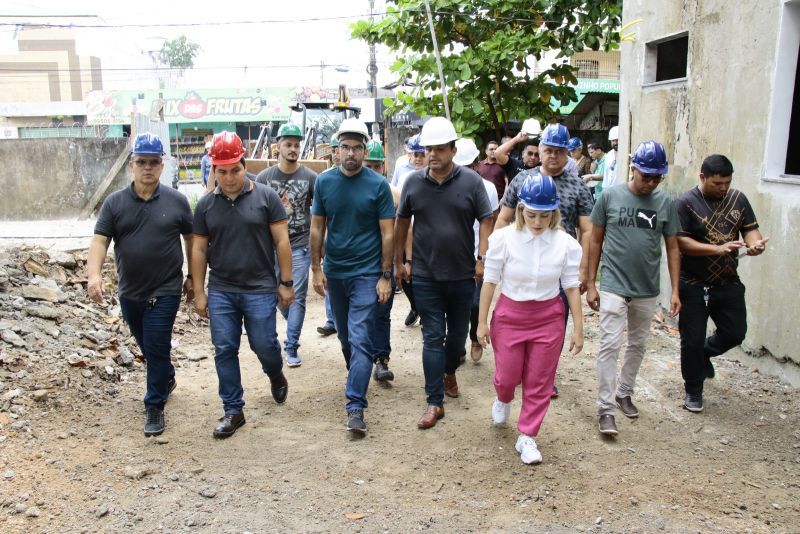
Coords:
527,328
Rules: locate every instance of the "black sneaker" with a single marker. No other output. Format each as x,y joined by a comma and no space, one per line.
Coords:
693,402
709,369
154,423
382,372
355,422
325,331
411,318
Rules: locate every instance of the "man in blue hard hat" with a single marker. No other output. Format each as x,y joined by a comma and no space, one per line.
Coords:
294,184
629,222
146,222
713,217
575,198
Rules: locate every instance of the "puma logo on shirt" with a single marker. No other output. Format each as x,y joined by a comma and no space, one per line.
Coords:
649,219
638,218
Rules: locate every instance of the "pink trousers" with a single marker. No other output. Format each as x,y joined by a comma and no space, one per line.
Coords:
527,338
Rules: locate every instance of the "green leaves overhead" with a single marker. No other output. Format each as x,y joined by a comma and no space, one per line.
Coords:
490,54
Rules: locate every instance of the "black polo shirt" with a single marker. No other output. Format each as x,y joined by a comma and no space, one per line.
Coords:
241,253
444,215
147,240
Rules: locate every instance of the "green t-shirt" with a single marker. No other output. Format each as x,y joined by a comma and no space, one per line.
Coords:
632,244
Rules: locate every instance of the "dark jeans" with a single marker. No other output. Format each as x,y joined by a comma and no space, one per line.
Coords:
444,309
226,311
408,289
726,307
473,312
383,322
151,325
354,303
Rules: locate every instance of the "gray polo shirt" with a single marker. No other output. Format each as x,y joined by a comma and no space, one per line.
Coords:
147,240
241,253
299,188
443,221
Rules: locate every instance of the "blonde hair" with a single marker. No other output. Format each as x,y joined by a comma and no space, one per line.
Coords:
555,220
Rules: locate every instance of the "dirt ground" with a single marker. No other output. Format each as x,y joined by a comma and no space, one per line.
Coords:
83,464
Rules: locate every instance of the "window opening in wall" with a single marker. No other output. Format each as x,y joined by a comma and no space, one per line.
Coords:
666,59
793,144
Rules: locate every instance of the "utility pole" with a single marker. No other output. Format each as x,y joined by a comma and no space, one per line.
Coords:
438,60
372,68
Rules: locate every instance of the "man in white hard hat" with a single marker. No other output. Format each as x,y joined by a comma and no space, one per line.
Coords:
353,205
610,172
445,199
467,156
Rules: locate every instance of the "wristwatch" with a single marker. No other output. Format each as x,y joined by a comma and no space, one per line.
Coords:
480,258
387,274
287,283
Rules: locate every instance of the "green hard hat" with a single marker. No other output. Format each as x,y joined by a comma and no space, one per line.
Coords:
289,130
334,141
375,151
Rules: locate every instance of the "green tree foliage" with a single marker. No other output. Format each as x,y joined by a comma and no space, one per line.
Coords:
487,48
179,53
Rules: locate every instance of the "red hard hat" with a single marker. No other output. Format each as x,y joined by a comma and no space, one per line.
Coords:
226,148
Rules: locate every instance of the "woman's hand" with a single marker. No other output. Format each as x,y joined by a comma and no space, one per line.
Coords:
575,343
483,334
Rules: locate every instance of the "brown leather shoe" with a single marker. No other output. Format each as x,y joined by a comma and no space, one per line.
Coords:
450,385
626,405
432,414
476,352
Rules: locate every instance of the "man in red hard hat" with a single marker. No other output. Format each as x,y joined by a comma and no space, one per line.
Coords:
242,283
146,221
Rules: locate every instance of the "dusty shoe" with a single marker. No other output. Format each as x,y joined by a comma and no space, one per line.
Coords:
693,402
450,385
607,425
432,414
154,423
326,330
476,352
500,411
626,405
382,372
293,360
228,425
528,451
355,422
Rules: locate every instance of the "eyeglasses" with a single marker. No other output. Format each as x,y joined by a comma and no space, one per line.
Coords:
147,162
652,178
355,149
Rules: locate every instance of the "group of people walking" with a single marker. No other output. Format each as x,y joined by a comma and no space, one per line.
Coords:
540,238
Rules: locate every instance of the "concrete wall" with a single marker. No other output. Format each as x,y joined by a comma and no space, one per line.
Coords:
54,178
723,107
395,147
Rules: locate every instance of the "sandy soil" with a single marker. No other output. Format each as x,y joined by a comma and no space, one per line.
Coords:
83,464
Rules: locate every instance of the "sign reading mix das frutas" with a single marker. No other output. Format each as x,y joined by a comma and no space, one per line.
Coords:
201,105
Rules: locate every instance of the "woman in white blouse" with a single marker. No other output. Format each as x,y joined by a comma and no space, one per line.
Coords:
527,330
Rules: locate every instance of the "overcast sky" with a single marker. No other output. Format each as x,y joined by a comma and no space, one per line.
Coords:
282,48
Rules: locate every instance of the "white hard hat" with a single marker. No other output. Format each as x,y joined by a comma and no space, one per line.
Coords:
208,144
437,131
613,133
531,127
355,126
466,151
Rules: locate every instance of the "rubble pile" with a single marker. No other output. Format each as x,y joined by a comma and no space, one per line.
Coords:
52,339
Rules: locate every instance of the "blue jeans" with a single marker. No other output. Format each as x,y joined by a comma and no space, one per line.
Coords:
383,322
151,325
296,313
444,309
226,311
328,313
354,303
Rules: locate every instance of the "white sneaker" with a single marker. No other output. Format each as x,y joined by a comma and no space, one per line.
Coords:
500,411
528,451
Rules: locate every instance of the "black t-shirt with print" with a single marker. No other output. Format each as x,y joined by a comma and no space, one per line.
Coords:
713,222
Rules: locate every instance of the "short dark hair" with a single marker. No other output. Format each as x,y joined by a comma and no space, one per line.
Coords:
531,142
492,142
595,146
716,165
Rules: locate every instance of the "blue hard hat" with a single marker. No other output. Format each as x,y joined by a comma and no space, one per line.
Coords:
555,135
147,143
574,143
414,145
539,193
650,157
